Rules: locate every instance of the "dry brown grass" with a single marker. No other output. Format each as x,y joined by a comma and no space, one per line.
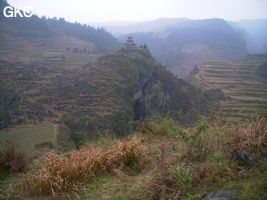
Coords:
66,173
2,196
251,136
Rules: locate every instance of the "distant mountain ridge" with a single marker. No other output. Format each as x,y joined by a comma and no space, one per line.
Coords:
126,27
257,31
254,31
189,42
181,43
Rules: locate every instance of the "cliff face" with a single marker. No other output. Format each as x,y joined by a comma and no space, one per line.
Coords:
153,97
159,92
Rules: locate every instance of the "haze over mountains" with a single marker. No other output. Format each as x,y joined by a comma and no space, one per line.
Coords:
57,47
75,82
60,50
177,43
31,29
257,33
96,114
181,43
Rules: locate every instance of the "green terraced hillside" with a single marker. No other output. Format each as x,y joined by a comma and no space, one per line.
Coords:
246,92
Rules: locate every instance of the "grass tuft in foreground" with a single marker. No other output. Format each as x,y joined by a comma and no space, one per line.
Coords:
252,136
67,173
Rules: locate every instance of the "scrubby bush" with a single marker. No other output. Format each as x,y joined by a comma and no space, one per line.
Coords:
11,160
166,126
182,177
251,136
197,140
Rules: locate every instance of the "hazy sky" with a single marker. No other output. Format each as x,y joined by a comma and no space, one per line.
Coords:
87,11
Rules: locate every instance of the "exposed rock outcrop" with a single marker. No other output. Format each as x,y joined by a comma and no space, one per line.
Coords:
222,195
246,158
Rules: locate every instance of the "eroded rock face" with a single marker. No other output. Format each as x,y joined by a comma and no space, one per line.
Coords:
150,97
246,158
222,195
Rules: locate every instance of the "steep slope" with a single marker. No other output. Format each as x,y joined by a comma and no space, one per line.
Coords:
242,81
50,73
185,44
105,96
31,39
126,86
8,105
33,52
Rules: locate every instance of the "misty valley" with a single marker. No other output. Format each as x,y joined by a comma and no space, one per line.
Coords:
165,109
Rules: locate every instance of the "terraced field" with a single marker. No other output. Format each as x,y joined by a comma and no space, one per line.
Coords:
14,49
246,93
32,66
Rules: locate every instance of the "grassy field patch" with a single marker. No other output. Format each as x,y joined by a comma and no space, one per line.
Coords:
28,137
